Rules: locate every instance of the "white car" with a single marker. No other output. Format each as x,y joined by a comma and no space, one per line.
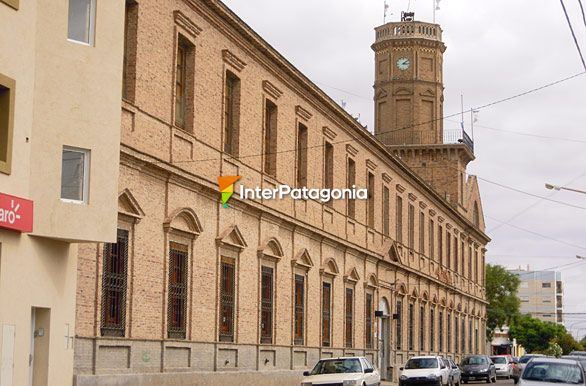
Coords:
345,371
543,371
504,368
425,369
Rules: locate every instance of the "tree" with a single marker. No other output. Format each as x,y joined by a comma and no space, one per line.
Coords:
501,293
567,343
534,334
553,350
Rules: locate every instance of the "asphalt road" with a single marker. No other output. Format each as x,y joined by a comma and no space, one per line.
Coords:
499,381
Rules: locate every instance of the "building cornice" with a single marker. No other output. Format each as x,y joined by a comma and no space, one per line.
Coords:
271,59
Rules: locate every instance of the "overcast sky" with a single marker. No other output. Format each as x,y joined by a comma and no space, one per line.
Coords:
496,49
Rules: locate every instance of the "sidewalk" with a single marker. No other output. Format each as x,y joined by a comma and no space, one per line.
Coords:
386,383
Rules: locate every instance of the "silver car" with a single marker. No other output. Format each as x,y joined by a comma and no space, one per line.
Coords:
455,372
552,372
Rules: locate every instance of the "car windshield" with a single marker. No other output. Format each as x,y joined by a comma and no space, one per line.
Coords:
421,363
553,372
475,361
499,360
335,366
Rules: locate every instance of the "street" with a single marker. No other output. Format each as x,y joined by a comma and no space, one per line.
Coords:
500,381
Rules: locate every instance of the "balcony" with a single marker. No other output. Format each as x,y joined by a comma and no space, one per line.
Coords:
403,137
408,29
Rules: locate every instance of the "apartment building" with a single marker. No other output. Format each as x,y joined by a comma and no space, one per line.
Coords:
60,76
205,285
541,294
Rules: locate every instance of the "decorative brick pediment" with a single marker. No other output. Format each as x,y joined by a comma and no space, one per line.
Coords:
128,205
233,60
302,259
352,276
231,236
271,89
185,23
303,113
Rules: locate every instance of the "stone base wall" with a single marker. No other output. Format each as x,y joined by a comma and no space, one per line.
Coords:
241,378
141,362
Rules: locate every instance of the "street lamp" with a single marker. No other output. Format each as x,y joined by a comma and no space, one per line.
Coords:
558,188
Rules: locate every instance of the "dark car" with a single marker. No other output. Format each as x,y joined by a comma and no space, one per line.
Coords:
478,368
520,366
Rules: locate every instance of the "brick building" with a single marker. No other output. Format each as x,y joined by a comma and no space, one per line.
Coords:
261,289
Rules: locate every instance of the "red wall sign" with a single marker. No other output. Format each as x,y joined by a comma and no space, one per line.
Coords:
16,213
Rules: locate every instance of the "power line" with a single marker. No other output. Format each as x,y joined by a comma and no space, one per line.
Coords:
400,129
573,34
531,194
526,134
517,215
583,14
536,233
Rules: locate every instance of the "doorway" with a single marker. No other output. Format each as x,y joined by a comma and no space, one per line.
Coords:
384,339
39,350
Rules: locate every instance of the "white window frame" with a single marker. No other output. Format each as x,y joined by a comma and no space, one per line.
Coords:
86,174
91,26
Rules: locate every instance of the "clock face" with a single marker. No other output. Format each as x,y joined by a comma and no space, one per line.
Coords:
403,63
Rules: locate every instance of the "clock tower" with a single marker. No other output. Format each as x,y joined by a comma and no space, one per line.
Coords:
409,96
408,82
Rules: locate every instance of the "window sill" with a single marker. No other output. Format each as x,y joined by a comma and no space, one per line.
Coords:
77,202
79,42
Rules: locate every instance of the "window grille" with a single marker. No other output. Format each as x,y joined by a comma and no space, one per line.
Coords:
326,314
441,331
349,317
299,300
114,285
422,328
399,324
227,301
266,326
411,327
432,329
369,320
177,296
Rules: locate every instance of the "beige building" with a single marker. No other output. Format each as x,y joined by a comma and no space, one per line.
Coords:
257,291
60,75
541,294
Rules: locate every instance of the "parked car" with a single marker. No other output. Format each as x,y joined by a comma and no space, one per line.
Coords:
545,371
346,371
581,359
503,365
478,368
455,373
425,369
518,369
578,353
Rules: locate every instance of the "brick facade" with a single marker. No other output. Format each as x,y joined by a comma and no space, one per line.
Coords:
169,196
